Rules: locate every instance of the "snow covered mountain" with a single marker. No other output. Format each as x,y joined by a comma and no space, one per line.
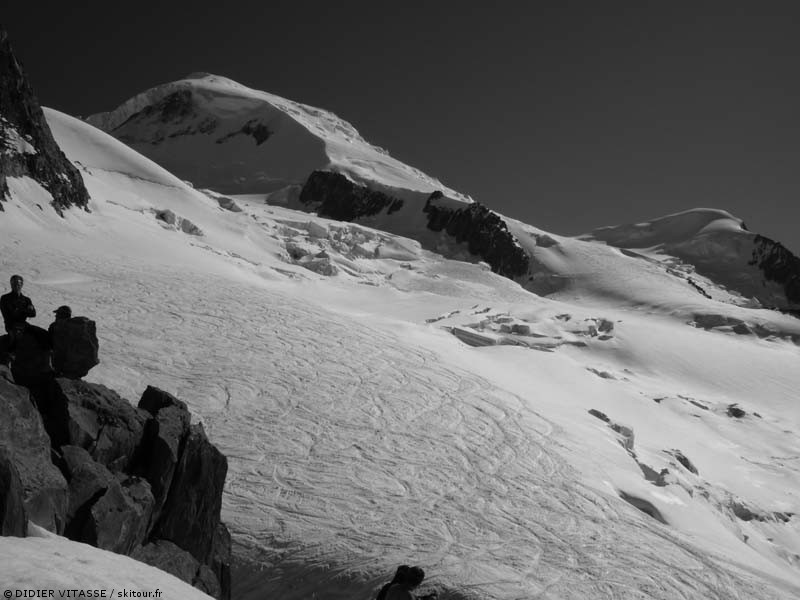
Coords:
614,421
222,135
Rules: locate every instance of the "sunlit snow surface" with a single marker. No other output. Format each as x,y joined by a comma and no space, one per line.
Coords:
362,434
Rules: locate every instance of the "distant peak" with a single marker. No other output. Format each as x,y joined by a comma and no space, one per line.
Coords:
670,229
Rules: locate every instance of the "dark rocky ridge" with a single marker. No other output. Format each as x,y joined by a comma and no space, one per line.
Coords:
781,266
484,232
22,120
334,196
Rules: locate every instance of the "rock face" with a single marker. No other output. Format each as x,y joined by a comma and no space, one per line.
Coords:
27,147
75,347
191,513
334,196
164,435
13,518
485,233
24,437
119,520
781,266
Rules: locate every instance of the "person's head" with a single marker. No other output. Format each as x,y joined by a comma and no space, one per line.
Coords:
414,577
16,283
401,574
63,312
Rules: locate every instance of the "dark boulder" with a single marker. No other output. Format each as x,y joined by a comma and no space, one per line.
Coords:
24,436
75,347
163,436
334,196
120,519
88,481
170,558
27,147
95,418
13,518
191,513
735,412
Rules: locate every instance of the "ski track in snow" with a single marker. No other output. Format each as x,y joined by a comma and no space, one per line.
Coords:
351,451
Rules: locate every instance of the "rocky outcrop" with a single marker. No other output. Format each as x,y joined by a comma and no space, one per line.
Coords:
23,435
119,520
13,518
484,232
168,217
88,481
132,480
159,120
190,515
170,558
164,436
75,347
334,196
27,147
781,266
94,418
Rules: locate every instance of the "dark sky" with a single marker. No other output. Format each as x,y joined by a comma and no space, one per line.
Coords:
566,115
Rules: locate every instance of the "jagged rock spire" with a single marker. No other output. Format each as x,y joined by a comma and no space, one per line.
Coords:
27,147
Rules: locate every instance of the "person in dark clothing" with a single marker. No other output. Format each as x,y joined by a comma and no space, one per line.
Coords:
16,309
62,313
399,576
411,579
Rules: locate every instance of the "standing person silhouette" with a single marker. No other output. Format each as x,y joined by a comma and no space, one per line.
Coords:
399,576
410,581
16,309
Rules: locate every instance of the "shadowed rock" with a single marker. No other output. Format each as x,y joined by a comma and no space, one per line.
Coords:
88,481
190,515
334,196
27,147
120,518
484,232
95,418
75,347
781,266
13,519
170,558
163,436
23,435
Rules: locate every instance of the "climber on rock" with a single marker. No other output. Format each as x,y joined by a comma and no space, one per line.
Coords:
16,309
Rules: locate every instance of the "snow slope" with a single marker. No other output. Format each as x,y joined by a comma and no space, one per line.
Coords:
710,242
45,563
382,405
